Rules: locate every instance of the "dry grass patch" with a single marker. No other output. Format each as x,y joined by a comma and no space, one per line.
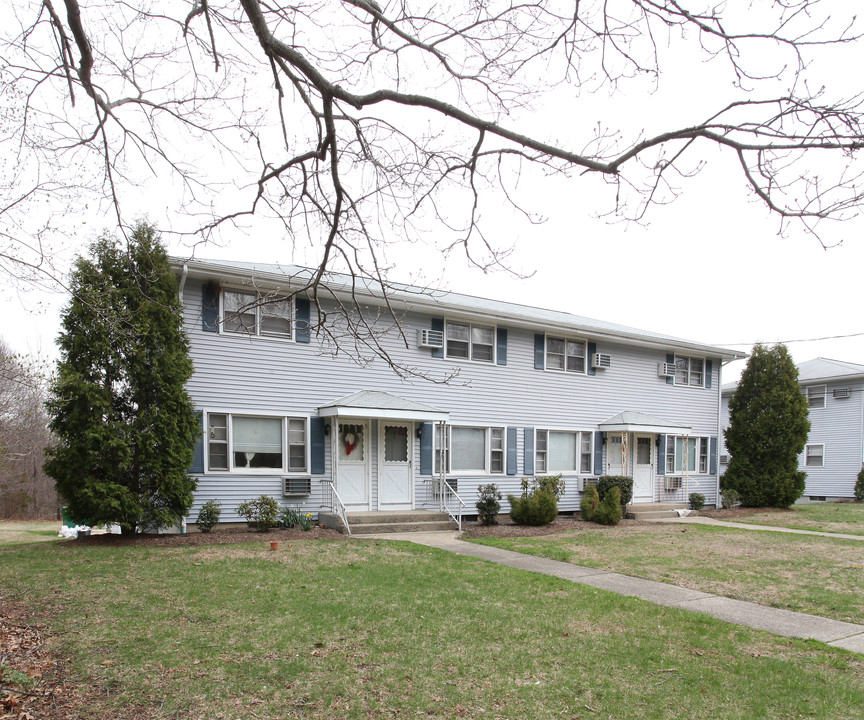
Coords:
822,576
845,518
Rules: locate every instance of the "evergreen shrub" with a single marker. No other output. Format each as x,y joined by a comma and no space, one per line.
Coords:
589,503
624,483
261,514
608,512
697,501
208,516
859,486
488,506
537,508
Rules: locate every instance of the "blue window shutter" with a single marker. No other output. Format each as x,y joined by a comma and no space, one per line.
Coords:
709,371
198,456
316,445
426,434
502,346
437,324
598,452
529,450
210,307
592,348
661,456
713,450
670,358
301,316
511,450
539,351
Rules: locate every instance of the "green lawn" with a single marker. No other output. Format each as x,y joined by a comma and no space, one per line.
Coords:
374,629
845,518
812,574
25,531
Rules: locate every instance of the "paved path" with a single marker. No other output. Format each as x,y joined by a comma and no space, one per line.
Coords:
781,622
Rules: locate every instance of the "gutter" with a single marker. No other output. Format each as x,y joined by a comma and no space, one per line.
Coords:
183,275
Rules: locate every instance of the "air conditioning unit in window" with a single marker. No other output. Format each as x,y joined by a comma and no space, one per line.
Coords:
430,338
601,360
672,483
724,459
666,370
584,482
840,393
291,486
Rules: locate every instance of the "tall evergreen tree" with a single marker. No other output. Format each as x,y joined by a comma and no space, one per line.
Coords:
768,426
124,423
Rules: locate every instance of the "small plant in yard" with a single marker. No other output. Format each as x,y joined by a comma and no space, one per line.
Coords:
608,512
538,507
859,486
730,498
624,483
261,514
697,501
488,506
589,503
553,484
208,515
289,517
306,522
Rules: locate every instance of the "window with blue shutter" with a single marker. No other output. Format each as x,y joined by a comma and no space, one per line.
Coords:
709,371
539,351
511,451
589,365
198,456
302,316
714,450
529,451
598,452
661,455
316,445
501,354
210,307
426,435
437,324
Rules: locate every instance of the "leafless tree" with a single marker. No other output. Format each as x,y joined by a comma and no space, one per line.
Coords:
353,123
25,491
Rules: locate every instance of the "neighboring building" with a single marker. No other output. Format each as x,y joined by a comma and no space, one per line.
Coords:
833,455
287,413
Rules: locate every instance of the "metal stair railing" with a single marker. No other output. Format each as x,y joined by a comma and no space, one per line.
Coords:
332,500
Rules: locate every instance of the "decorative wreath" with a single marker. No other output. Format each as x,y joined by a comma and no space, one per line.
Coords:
350,442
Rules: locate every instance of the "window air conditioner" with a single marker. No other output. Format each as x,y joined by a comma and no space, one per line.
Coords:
666,370
584,482
601,360
430,338
724,459
672,483
840,393
296,486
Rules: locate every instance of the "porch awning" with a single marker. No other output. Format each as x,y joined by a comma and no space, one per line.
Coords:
380,405
632,421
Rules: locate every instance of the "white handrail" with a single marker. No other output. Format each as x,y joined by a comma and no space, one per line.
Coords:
445,496
334,502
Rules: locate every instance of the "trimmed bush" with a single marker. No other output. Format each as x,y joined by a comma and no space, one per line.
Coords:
730,498
608,512
537,508
589,503
697,501
624,483
488,506
553,484
208,515
261,514
859,486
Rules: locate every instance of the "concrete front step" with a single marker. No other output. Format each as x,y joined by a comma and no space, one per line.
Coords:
373,523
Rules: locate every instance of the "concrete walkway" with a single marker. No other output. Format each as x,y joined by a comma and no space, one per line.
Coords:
844,635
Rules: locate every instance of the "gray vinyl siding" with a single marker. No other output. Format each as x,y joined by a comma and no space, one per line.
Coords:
837,426
235,374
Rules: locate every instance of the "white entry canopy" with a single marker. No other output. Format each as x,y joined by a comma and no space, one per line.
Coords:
381,405
632,421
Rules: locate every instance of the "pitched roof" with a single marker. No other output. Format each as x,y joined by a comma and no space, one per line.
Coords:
633,421
817,370
420,299
380,404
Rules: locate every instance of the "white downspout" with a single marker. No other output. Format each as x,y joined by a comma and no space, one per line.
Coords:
183,276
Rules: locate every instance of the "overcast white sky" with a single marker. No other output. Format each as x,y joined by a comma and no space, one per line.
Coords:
708,267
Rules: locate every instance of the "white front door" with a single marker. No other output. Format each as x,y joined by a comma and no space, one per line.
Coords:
616,453
643,469
395,476
352,464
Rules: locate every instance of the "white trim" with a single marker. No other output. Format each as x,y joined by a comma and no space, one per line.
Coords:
470,359
690,358
556,471
343,411
806,454
824,404
564,370
292,320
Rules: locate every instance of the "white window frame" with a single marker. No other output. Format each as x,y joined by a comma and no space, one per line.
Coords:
488,450
470,341
703,455
811,398
541,456
688,381
567,343
259,307
231,468
807,454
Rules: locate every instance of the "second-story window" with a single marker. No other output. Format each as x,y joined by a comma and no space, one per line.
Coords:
248,313
689,371
470,342
566,355
816,396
